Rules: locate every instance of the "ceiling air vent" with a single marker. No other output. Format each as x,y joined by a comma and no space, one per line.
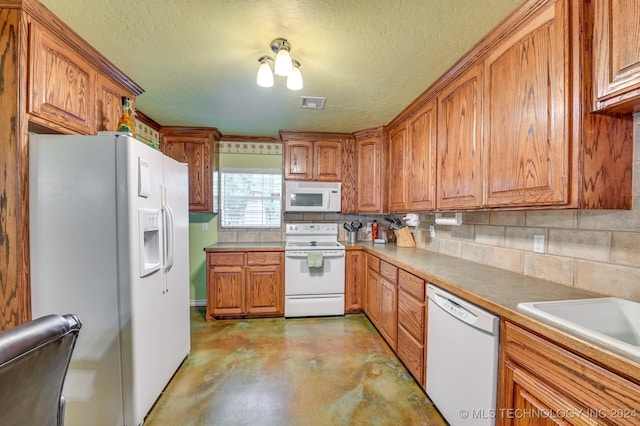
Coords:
307,102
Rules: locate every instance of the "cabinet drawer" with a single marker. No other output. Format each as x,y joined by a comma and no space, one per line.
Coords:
411,315
412,354
373,263
389,272
264,258
227,259
411,284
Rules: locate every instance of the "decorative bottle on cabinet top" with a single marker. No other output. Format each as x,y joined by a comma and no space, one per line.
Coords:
126,123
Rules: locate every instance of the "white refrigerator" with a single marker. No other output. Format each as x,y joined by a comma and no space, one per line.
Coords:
109,241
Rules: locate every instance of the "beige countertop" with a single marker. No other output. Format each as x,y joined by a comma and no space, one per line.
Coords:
493,289
270,245
500,291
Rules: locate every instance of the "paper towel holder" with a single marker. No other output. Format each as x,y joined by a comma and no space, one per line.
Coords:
449,220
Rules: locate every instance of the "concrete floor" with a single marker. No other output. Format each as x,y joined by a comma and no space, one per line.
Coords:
310,371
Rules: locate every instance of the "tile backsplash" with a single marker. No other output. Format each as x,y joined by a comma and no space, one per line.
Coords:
597,250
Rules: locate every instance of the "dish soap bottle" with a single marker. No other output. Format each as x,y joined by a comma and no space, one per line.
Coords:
126,124
374,230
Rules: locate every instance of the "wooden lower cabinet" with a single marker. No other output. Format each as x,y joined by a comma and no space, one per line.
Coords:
395,304
382,298
241,284
543,384
372,295
355,273
412,317
225,290
389,312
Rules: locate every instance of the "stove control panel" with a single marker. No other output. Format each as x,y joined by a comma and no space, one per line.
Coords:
312,228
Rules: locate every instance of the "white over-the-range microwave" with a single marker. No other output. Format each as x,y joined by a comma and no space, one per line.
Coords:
312,196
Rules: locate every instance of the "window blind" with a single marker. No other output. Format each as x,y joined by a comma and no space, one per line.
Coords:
251,198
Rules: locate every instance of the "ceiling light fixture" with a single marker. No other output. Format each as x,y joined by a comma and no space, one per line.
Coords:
284,66
265,76
294,79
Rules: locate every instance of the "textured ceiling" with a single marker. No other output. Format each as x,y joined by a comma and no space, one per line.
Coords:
197,59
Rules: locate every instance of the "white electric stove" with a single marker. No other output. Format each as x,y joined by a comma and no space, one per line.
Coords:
313,287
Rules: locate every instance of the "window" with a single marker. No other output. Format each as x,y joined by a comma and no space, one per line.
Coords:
251,198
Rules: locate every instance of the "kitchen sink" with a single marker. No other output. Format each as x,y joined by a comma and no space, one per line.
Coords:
611,321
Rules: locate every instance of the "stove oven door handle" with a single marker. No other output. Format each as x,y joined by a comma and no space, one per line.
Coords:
303,255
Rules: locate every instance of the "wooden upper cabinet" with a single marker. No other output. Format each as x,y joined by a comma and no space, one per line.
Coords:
459,142
313,156
109,104
420,160
525,121
617,55
196,147
327,161
62,83
370,158
298,160
397,167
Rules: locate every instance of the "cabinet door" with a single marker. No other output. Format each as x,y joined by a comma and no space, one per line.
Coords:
369,156
459,147
298,159
530,396
354,280
617,52
62,84
526,156
397,168
327,159
420,162
372,306
538,376
109,104
225,291
388,312
265,290
197,151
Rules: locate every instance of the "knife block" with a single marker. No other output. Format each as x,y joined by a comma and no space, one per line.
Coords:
404,238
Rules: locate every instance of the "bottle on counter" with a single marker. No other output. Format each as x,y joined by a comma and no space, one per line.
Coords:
374,230
126,123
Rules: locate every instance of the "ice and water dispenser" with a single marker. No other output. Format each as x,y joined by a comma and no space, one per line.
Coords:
150,242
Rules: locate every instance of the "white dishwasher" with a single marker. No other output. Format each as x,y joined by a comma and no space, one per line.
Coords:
462,359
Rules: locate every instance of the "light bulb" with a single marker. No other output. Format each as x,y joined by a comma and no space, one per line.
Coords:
265,76
283,61
294,80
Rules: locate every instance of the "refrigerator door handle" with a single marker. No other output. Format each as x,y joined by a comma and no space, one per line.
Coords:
168,231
